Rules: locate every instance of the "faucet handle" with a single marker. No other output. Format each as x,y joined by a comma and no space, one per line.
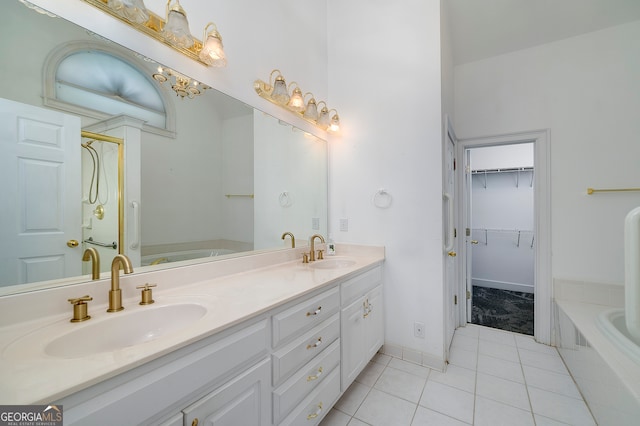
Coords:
305,257
146,295
320,255
80,308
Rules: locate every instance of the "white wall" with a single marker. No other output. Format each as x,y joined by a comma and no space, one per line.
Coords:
291,162
237,178
177,169
502,223
502,156
587,92
384,74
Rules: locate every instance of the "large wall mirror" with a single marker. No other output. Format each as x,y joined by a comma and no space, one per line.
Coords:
211,176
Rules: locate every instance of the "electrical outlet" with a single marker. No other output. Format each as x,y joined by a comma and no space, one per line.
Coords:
344,225
315,223
418,329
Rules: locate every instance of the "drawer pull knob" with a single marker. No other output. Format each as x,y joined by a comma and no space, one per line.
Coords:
315,377
367,307
316,344
194,422
316,413
316,312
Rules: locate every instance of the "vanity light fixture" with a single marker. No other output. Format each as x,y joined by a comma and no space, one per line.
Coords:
279,92
326,121
172,30
176,28
296,102
276,91
133,10
212,52
311,110
181,84
323,116
335,122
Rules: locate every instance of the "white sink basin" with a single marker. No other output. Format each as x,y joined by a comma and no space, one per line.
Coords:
333,263
123,329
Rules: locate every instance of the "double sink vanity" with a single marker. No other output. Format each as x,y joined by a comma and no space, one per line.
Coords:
263,339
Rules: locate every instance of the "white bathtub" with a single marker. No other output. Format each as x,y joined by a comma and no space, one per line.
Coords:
613,326
177,256
602,360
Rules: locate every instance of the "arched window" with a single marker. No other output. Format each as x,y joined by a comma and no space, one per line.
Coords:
97,81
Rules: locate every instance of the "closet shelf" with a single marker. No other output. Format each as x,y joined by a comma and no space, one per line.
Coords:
505,170
516,170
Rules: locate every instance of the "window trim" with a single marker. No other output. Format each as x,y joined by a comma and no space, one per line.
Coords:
57,55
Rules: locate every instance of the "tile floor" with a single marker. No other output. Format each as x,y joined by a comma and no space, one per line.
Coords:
494,378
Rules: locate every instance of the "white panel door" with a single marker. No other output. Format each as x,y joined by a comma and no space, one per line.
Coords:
40,194
451,286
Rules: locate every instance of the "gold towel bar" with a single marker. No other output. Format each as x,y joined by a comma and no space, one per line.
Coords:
591,190
239,195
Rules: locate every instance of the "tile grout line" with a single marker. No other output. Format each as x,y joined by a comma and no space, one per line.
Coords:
526,386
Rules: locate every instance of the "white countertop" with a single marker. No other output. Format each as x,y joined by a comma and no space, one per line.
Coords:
29,376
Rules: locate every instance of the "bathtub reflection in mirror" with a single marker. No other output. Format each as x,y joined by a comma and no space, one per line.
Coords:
212,181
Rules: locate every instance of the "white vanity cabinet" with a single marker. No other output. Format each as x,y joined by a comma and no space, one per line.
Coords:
362,324
306,361
285,366
157,391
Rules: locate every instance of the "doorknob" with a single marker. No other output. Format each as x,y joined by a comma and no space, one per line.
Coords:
452,254
474,241
72,243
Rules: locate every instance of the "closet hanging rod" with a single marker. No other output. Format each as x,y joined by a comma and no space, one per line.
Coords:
591,191
501,230
506,170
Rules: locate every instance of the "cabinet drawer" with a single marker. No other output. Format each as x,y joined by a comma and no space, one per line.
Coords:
305,315
357,286
318,403
304,381
241,401
303,349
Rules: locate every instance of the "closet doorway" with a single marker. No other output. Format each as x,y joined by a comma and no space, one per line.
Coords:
541,223
501,261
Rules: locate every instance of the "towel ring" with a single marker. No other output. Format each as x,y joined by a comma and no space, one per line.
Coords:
285,199
382,199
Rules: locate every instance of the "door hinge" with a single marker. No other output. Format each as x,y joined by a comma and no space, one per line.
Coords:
455,299
455,232
468,295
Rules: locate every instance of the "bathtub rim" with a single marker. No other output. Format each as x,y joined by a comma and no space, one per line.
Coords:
605,322
183,252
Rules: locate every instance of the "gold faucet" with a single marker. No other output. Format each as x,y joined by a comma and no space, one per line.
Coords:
115,295
312,255
293,239
92,254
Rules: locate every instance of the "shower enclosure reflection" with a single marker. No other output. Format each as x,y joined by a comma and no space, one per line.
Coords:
102,189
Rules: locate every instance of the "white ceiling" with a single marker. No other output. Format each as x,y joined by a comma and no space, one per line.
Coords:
485,28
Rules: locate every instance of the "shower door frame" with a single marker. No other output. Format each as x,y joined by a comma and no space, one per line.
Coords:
542,223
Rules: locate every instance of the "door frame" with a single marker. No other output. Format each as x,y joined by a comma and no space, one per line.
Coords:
542,222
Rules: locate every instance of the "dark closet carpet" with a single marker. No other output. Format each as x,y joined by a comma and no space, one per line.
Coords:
503,309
